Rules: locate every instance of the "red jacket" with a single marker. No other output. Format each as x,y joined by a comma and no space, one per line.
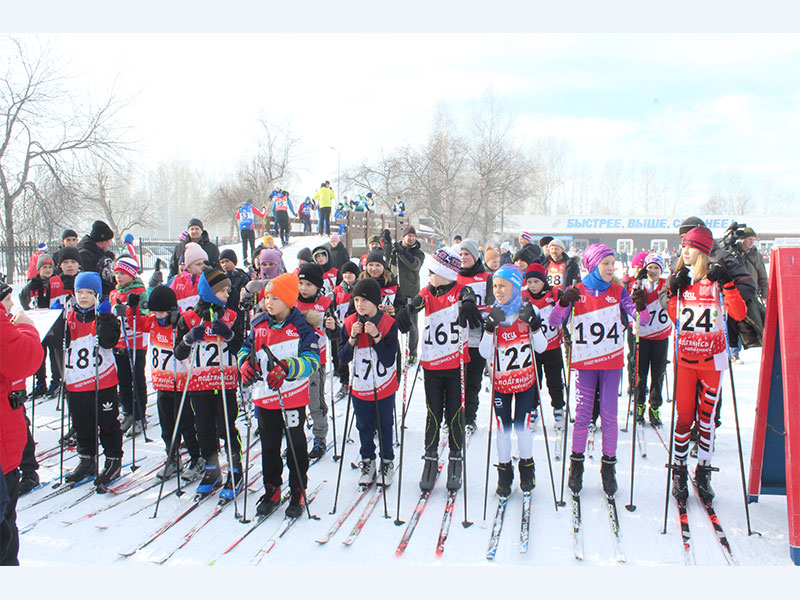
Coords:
21,353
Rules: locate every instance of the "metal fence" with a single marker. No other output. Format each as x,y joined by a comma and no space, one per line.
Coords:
22,251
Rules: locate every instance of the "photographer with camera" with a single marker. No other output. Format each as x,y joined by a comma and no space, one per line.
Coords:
22,353
405,259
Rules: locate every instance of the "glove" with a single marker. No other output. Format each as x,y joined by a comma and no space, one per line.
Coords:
156,280
133,300
570,296
36,284
183,235
68,281
719,272
642,274
120,310
496,316
246,302
417,304
529,316
403,320
277,375
57,305
678,281
104,308
387,236
196,334
249,372
469,315
398,248
174,316
220,328
639,299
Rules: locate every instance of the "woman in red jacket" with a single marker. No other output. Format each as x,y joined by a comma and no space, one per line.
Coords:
21,354
694,293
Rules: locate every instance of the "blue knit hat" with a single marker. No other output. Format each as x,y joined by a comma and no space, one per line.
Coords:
512,274
89,281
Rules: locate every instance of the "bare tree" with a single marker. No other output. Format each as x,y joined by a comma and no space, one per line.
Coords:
275,160
549,161
44,125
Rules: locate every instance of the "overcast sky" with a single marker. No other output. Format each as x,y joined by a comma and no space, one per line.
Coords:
704,102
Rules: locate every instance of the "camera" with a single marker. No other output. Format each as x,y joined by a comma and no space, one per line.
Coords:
733,234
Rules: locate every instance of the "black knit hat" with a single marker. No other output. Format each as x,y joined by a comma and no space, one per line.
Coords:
690,223
368,288
305,254
69,253
195,221
377,256
101,232
312,273
229,254
69,233
162,298
350,267
5,290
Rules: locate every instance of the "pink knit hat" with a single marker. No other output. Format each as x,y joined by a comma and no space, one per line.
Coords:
638,259
192,253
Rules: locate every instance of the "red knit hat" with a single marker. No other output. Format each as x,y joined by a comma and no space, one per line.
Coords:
699,238
536,270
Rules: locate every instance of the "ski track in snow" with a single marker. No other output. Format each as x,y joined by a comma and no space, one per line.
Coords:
53,543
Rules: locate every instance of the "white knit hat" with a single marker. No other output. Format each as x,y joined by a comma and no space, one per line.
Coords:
445,263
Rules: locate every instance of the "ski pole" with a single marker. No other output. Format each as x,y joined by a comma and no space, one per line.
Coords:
333,402
228,424
344,438
179,491
568,368
124,326
246,408
142,393
537,394
462,418
374,365
413,383
397,521
491,426
192,356
670,465
96,392
736,417
61,397
273,361
632,507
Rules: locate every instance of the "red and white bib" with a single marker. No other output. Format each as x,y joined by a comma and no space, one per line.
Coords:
281,204
79,365
514,366
477,284
545,306
207,360
57,291
388,295
658,326
368,373
284,343
126,336
440,338
320,305
555,274
163,365
701,321
329,280
185,287
342,301
598,340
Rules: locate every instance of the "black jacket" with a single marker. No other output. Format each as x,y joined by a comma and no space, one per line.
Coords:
205,243
93,259
405,263
337,256
203,310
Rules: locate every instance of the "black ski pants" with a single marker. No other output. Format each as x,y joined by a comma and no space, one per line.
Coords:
552,364
209,421
443,400
472,384
127,383
271,430
652,358
248,238
82,408
9,534
168,404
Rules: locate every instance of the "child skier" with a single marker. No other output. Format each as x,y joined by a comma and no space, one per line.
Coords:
512,332
694,291
185,283
598,304
342,294
317,308
92,331
127,301
369,341
169,379
443,348
210,325
293,342
36,294
653,340
322,257
544,297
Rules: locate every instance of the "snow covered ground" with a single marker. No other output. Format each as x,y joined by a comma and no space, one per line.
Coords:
99,540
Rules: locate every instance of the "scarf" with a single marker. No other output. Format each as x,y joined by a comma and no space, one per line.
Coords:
595,282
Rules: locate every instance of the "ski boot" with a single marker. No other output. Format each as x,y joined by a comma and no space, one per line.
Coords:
136,428
212,478
125,423
318,449
86,468
534,418
558,419
608,472
454,468
53,389
234,484
655,417
575,481
195,469
342,393
170,468
269,501
28,480
70,438
702,478
640,413
527,474
367,466
470,428
430,470
111,470
385,474
680,482
296,503
39,390
505,477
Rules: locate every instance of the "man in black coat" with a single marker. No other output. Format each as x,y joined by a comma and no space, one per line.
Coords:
198,235
337,252
96,256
